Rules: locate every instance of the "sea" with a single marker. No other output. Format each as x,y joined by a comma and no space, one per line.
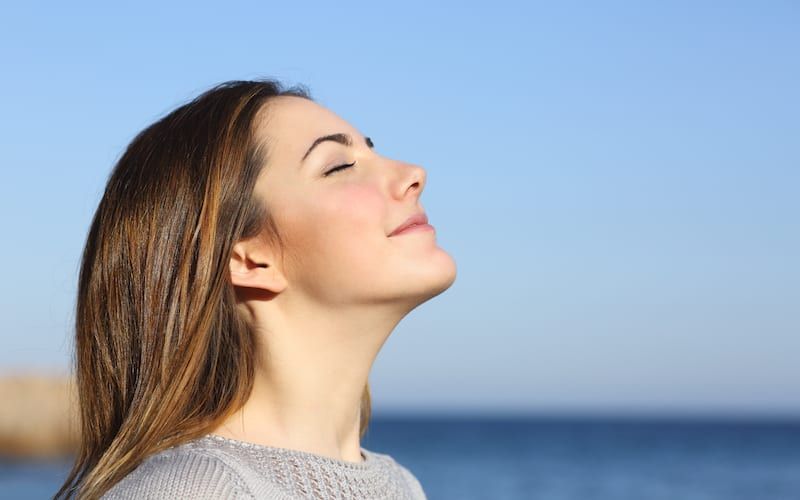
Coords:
557,458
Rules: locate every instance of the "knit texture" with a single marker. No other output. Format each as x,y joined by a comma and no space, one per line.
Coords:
216,467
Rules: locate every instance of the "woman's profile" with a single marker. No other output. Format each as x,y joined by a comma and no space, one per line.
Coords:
250,256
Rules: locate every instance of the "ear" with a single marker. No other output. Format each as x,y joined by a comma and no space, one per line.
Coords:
252,266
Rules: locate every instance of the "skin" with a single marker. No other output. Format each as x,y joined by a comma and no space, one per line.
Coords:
324,310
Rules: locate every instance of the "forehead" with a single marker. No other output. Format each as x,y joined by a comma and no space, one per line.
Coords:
290,124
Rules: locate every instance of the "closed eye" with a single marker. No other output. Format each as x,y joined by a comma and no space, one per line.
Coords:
336,169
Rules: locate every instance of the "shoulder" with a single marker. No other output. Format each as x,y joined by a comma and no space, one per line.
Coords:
413,483
404,475
182,472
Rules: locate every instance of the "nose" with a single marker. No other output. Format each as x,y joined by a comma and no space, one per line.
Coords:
410,178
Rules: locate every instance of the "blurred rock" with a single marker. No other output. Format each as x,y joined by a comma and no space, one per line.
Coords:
38,416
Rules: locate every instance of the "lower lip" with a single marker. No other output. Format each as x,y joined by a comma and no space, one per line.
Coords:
415,229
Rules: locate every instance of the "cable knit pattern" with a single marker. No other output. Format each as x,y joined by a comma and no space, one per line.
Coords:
215,467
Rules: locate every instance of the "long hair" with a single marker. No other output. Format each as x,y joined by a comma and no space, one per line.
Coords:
161,354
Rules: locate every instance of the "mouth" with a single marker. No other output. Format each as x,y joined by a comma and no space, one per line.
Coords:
414,223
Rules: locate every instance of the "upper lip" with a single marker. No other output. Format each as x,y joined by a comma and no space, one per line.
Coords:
419,218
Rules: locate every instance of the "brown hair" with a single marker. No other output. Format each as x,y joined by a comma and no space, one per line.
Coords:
161,354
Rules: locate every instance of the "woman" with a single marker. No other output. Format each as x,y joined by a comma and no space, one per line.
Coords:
241,273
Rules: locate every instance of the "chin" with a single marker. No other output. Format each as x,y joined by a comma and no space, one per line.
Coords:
436,280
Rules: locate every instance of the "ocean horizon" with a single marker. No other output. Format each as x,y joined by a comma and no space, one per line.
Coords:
557,458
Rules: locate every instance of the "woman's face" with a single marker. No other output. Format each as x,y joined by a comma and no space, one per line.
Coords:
336,227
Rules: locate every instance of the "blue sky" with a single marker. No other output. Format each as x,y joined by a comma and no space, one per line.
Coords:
619,183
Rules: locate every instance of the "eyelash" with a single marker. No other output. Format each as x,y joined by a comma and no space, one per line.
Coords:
343,167
336,169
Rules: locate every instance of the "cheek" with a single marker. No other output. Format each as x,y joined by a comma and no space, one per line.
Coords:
354,208
338,238
345,223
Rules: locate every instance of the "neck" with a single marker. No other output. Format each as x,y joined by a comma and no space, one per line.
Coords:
310,377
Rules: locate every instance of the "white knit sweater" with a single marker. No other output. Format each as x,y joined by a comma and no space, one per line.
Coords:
215,467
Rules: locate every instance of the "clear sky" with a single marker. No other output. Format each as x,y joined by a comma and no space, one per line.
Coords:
618,182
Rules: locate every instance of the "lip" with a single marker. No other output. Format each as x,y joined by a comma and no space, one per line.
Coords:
419,219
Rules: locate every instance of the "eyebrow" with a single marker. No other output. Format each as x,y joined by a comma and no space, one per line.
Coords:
340,138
